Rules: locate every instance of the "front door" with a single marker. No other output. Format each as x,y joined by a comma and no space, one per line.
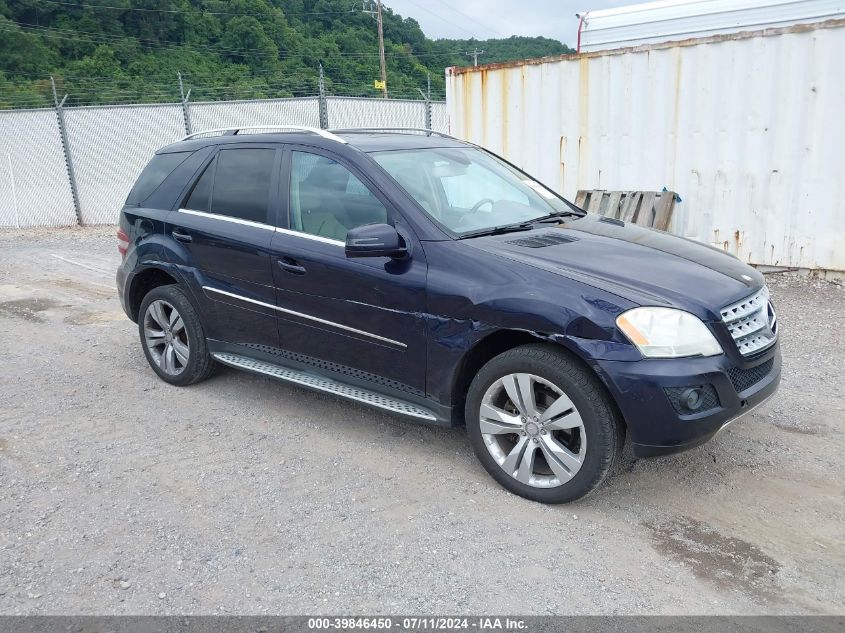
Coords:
225,229
362,316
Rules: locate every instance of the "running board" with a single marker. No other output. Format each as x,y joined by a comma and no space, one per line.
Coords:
321,383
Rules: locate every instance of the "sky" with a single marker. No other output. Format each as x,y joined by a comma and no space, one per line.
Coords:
485,19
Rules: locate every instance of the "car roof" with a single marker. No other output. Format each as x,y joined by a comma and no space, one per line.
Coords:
365,140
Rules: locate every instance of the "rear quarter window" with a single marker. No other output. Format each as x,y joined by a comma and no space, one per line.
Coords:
159,168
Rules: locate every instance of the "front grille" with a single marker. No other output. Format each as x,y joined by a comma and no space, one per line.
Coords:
709,398
743,379
752,322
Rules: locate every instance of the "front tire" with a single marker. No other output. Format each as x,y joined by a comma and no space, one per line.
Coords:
542,425
172,337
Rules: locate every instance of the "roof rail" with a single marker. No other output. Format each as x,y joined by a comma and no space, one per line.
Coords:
397,130
231,131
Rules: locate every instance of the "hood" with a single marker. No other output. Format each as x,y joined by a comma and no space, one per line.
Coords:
642,265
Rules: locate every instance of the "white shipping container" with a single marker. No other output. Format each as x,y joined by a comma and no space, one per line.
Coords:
673,20
748,129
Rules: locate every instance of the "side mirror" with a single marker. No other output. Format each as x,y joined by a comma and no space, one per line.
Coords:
375,240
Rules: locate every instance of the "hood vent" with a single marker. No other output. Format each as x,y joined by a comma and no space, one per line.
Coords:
543,240
608,220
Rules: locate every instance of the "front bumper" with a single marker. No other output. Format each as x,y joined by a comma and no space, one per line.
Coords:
656,426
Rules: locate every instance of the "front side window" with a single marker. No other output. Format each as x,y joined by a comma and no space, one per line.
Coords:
468,190
327,200
235,184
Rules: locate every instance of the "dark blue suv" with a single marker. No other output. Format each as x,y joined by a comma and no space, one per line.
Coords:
425,276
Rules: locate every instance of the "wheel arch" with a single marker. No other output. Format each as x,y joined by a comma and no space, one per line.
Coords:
142,282
501,341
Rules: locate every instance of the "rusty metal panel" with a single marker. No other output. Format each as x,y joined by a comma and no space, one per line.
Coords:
748,129
669,20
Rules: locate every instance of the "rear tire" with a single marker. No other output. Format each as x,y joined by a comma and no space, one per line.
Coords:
542,425
172,337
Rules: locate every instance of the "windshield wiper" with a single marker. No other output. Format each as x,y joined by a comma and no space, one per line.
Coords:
551,217
498,230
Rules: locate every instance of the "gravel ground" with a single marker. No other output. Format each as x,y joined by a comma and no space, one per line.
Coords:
120,494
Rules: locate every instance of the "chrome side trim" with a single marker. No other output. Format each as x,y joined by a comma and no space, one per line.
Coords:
220,131
226,218
308,236
305,316
322,383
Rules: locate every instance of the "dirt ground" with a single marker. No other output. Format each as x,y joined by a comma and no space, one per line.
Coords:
120,494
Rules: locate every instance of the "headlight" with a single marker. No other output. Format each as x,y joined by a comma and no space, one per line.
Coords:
667,333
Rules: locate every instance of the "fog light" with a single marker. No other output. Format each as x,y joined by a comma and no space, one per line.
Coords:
691,399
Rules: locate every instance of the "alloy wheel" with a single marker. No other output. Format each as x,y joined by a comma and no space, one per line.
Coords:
166,337
533,430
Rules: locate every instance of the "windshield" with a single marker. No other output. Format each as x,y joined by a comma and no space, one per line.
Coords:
467,190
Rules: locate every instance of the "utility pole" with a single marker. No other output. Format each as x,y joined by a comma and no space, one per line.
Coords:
475,53
377,15
381,52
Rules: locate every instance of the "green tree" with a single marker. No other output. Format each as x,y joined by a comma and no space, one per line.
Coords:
131,50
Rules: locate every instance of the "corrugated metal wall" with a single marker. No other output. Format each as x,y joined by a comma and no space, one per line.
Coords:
665,20
749,130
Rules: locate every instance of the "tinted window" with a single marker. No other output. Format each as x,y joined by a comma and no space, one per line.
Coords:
242,183
201,195
326,199
159,168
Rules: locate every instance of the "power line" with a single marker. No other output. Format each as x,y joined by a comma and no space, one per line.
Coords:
442,19
188,11
470,17
172,44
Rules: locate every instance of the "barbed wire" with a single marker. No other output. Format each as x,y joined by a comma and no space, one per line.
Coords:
91,92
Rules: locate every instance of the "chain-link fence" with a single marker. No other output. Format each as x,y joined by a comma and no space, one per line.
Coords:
68,165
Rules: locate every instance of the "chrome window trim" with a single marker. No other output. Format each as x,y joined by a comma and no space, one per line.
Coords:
227,218
310,236
305,316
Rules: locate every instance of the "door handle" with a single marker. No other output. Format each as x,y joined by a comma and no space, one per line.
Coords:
181,236
289,264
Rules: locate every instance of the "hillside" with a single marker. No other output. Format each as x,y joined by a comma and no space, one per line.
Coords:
115,51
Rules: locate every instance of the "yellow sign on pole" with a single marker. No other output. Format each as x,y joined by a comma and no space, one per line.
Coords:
379,85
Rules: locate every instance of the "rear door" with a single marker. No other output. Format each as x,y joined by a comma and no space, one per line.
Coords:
225,230
365,315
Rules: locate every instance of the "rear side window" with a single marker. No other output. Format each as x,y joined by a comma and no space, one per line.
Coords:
200,197
159,168
236,184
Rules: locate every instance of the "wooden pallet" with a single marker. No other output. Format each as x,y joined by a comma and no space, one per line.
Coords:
646,208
